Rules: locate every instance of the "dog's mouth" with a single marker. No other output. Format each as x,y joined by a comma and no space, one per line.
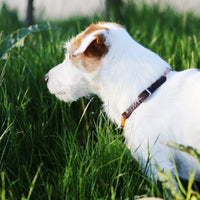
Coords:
60,93
56,92
64,96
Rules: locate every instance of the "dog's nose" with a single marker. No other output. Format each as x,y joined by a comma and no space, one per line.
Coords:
46,77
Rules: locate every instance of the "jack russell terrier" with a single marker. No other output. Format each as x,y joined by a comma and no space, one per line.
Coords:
153,104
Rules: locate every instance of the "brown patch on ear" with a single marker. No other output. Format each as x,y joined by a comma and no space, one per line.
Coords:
97,48
76,42
90,59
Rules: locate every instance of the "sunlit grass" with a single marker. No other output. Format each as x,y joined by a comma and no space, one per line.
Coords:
46,150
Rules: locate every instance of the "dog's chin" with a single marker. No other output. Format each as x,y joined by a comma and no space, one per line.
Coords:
65,97
62,95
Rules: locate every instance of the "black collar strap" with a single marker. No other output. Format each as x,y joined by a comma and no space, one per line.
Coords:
142,96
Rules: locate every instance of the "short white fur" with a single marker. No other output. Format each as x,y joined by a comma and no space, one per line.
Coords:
172,113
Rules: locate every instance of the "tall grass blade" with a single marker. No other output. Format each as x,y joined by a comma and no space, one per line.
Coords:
84,112
17,38
34,181
3,191
3,73
169,187
188,149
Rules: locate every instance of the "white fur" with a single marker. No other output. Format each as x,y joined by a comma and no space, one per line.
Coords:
172,113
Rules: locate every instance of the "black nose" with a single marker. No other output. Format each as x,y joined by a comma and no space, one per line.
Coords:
46,77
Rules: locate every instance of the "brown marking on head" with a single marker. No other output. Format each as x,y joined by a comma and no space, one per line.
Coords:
90,59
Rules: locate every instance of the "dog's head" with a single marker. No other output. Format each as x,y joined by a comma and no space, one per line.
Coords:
85,54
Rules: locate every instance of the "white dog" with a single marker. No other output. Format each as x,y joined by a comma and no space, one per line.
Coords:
139,92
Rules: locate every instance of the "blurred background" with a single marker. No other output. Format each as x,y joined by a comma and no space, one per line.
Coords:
28,10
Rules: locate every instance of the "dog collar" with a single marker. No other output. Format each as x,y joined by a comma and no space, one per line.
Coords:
142,96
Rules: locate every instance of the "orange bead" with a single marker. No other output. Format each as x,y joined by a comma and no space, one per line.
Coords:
123,120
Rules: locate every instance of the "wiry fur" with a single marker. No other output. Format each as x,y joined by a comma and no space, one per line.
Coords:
126,68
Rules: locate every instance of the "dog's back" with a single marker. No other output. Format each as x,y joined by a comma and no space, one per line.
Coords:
172,114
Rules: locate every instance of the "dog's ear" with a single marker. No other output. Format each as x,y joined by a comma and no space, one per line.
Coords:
94,44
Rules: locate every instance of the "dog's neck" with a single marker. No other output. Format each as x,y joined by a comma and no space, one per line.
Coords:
133,70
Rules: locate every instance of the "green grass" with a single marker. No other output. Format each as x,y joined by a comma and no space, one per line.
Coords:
46,150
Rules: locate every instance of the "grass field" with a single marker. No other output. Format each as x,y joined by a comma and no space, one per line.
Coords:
47,149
